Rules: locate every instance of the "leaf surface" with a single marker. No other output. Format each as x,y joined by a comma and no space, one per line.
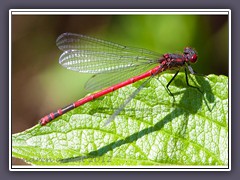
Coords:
151,130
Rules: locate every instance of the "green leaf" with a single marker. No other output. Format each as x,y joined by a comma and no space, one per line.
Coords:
151,130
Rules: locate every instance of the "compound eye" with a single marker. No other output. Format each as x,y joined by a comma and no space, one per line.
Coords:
193,59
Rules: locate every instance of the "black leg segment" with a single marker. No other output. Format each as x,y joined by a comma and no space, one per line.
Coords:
170,83
186,76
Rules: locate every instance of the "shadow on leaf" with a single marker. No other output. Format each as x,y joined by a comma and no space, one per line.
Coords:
187,97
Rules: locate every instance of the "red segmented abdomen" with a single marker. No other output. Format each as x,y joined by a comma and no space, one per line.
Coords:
80,102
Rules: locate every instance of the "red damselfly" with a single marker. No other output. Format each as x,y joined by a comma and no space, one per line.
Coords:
115,66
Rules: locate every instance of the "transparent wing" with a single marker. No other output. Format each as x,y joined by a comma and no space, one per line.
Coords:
99,81
90,55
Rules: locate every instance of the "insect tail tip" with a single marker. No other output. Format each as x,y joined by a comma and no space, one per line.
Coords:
41,122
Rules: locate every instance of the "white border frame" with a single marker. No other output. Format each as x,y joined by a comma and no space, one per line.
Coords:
118,12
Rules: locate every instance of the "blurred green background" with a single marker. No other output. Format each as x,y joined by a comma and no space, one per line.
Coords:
40,85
